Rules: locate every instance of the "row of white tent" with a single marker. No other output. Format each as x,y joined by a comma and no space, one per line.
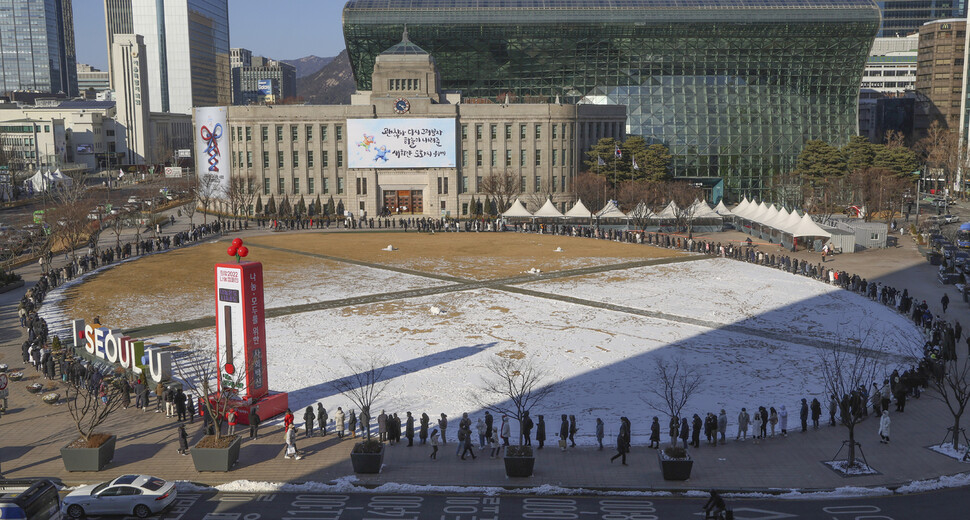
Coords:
772,218
699,210
47,181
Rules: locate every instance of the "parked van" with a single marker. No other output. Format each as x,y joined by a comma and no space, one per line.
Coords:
29,499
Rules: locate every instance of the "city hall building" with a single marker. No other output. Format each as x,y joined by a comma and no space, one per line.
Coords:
734,88
407,146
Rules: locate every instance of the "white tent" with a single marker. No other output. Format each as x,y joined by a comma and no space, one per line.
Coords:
722,210
46,181
781,219
770,217
642,211
756,214
808,228
548,210
743,208
610,211
579,210
791,222
517,210
669,212
700,209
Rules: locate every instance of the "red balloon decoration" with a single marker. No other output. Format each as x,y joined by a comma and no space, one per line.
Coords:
231,251
242,251
236,242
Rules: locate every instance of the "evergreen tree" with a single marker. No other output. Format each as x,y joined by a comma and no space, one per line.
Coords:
259,204
471,207
605,151
653,162
820,162
271,206
301,207
285,209
898,159
318,208
340,208
331,207
492,207
858,153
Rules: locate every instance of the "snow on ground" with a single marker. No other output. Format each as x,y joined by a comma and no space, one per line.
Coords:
947,449
600,361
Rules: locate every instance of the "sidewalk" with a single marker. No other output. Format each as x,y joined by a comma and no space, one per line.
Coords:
32,435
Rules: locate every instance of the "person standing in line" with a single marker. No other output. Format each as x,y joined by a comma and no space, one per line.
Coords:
833,409
563,432
803,415
488,425
434,444
756,434
231,421
493,443
572,431
409,429
308,419
352,424
253,422
183,440
816,412
506,430
674,430
622,441
685,431
541,431
695,434
322,419
743,419
527,429
783,419
443,424
655,433
382,426
480,428
289,438
423,432
288,418
722,425
945,302
468,442
599,432
338,422
884,428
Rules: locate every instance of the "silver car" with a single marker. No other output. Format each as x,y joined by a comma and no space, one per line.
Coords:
139,495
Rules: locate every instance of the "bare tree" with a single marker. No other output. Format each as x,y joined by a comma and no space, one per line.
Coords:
188,185
591,189
207,190
788,189
69,217
952,384
674,384
851,366
536,199
683,195
640,198
941,151
365,386
502,187
513,387
235,195
199,371
90,407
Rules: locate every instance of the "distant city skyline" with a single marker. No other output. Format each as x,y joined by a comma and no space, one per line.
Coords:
288,30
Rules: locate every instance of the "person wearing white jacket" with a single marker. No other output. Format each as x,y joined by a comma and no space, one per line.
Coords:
338,422
884,428
783,419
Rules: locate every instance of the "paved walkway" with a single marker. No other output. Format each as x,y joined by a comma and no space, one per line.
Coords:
32,433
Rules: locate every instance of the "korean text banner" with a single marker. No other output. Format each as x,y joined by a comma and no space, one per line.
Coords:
401,143
212,162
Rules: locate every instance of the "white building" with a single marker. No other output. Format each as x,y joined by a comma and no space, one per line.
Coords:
891,67
131,94
89,77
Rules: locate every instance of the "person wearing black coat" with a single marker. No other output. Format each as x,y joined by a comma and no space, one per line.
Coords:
489,422
183,439
655,433
410,430
563,432
180,404
622,441
541,431
322,418
816,412
308,419
526,429
685,430
695,438
253,423
572,431
425,423
803,415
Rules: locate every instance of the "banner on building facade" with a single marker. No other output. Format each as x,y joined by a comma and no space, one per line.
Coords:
401,143
212,160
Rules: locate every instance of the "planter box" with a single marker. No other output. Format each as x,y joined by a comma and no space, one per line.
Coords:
367,462
216,459
11,286
89,459
675,469
519,466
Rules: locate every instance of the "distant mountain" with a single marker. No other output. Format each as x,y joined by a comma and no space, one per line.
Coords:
331,85
308,64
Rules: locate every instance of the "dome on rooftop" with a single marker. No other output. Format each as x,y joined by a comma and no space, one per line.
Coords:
405,47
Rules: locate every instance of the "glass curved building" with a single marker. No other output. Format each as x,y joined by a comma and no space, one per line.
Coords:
733,87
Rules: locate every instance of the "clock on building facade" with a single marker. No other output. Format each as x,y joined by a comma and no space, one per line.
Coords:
401,106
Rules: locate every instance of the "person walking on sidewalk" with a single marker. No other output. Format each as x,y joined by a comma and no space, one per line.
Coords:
322,419
434,444
743,419
506,430
289,438
599,432
572,431
623,441
526,429
467,439
183,440
655,433
722,425
945,302
423,431
756,434
884,428
685,431
409,429
231,421
541,431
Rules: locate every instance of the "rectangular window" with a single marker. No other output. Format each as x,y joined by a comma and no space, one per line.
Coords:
309,159
478,157
249,133
240,163
508,157
464,208
478,183
538,131
340,159
538,184
264,133
439,185
478,132
464,184
296,159
340,185
554,155
296,185
564,183
249,159
281,189
265,186
265,159
279,132
464,157
522,131
494,157
323,132
564,162
358,186
493,132
508,132
446,185
279,159
554,133
326,185
522,157
294,133
325,158
309,132
538,157
522,184
464,132
555,181
309,185
338,132
364,183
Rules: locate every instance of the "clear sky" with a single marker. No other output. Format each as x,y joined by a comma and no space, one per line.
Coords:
281,29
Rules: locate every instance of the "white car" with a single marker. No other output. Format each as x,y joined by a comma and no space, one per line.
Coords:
139,495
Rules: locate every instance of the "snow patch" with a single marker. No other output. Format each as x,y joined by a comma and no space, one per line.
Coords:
856,470
947,449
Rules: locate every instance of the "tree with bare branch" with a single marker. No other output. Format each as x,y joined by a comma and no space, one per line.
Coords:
683,195
207,191
673,385
513,387
199,371
846,369
951,381
591,189
502,187
69,217
91,406
364,386
640,199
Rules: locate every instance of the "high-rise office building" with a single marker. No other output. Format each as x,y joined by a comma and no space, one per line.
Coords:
904,17
117,20
131,95
263,81
91,78
239,57
187,46
939,71
37,46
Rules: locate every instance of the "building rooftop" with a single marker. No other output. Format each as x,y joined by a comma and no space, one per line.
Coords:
93,105
586,5
404,48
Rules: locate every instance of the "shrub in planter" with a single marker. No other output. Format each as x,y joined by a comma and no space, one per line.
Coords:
675,463
51,398
89,454
367,456
519,461
35,388
16,376
90,409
